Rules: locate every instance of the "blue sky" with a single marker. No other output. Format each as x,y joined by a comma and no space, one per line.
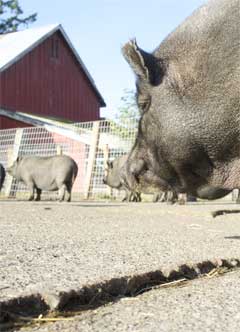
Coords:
98,29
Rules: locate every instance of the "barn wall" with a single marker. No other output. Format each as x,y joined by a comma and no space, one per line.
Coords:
42,84
6,123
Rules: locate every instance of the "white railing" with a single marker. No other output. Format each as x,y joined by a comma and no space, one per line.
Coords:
90,144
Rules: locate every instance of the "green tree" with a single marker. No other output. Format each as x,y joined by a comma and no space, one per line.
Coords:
11,16
128,108
126,119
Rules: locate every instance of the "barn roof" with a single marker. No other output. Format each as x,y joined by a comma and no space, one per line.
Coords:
13,46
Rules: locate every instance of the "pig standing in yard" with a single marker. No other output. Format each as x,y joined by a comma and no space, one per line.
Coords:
2,175
45,173
113,179
188,97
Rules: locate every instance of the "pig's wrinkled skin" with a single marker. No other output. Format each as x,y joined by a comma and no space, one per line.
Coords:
45,173
188,97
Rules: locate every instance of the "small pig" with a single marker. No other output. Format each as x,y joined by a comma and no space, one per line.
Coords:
114,180
116,173
45,173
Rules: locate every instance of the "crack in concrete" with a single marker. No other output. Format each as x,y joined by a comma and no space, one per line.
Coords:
223,212
93,296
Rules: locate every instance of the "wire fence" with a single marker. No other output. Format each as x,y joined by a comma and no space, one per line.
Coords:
90,144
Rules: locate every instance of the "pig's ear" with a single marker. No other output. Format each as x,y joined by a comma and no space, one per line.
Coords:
145,65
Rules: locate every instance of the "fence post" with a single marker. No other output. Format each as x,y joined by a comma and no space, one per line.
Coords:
92,158
59,150
105,160
12,156
105,155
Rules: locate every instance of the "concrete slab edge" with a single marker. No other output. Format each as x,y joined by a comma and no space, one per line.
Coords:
98,294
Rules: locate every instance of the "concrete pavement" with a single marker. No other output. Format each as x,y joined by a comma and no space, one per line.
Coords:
203,305
49,249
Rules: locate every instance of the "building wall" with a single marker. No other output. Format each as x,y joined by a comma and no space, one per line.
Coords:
6,123
46,83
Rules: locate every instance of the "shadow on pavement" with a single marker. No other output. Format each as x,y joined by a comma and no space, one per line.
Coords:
235,237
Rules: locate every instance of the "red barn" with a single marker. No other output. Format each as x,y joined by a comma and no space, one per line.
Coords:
42,74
